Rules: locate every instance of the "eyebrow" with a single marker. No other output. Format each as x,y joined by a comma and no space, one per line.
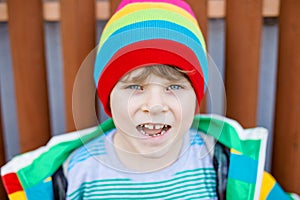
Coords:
166,81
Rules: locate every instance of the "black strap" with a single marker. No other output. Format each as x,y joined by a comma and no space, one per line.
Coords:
221,165
59,183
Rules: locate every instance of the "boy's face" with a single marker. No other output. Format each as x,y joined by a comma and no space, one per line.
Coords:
152,117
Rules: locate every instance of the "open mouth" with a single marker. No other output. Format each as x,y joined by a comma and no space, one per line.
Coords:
153,130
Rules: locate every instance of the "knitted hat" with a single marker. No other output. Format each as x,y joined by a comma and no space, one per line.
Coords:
147,32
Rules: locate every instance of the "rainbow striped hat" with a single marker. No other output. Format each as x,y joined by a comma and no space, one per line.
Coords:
148,32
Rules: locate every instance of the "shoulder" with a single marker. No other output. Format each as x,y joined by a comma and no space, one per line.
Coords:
86,153
247,150
226,130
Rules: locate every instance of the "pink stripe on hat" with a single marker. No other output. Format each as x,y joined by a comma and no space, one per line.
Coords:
179,3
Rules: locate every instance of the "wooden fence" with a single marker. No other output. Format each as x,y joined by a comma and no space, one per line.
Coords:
242,59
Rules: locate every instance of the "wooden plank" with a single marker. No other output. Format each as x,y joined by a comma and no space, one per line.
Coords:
216,9
51,11
2,154
271,8
286,145
28,58
3,12
113,4
78,39
102,10
243,39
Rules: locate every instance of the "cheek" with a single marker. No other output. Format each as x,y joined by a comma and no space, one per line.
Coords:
122,104
188,103
189,106
117,104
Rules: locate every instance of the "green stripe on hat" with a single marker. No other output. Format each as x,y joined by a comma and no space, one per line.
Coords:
151,14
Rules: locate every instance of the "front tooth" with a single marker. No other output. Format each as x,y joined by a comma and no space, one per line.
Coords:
157,126
150,126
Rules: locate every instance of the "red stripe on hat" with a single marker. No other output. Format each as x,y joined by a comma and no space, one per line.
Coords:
164,44
141,58
11,183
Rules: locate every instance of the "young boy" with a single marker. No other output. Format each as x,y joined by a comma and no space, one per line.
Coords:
152,153
150,72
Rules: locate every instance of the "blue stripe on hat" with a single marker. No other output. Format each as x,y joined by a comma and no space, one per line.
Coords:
159,24
118,41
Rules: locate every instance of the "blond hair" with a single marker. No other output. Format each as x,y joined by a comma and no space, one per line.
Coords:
171,73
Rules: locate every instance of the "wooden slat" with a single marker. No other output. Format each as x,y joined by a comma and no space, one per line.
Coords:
78,39
51,11
2,154
113,4
3,12
271,8
216,9
102,10
28,59
286,145
243,39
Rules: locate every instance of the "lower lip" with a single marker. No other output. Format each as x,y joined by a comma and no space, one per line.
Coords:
156,137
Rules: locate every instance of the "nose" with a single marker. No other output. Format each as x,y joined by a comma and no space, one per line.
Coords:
154,102
155,109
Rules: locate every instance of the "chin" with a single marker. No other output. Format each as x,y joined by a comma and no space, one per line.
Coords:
158,151
154,154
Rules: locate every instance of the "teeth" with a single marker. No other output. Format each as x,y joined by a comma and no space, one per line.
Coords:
161,128
156,126
149,126
153,135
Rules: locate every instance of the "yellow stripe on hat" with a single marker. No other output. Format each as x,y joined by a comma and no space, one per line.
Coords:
141,6
268,183
20,195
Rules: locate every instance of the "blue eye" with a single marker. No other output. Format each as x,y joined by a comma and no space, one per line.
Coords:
135,87
174,87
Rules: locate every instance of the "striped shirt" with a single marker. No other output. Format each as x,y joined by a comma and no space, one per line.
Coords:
94,172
